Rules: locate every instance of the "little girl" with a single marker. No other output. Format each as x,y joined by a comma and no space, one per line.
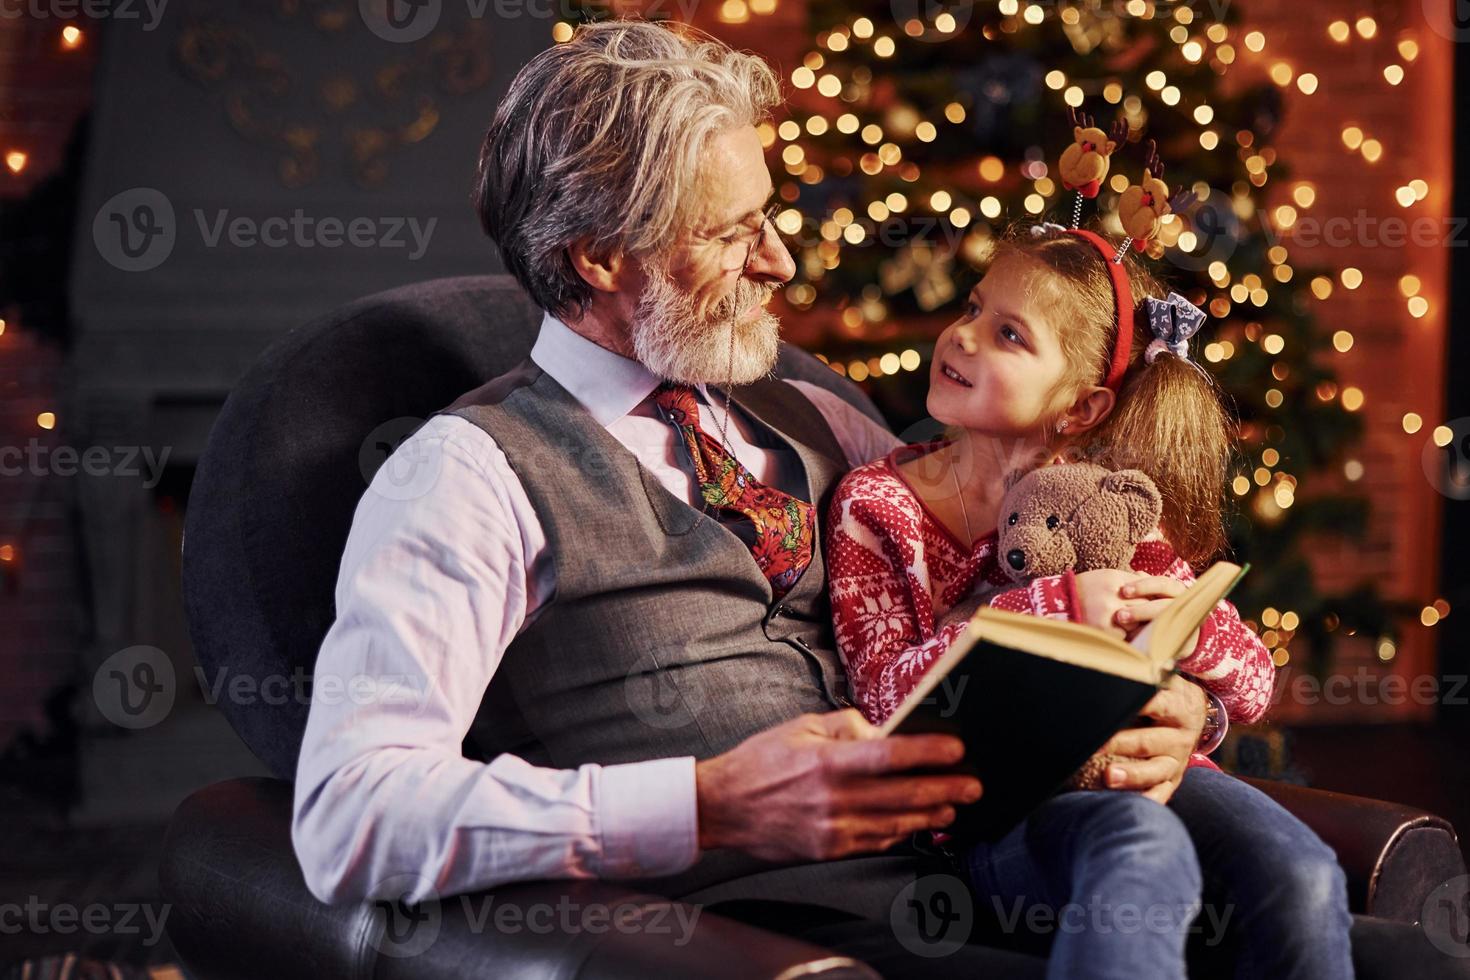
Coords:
1033,371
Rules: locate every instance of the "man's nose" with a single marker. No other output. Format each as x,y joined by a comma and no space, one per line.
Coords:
772,262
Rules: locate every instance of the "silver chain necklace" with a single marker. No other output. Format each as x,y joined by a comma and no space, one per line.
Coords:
954,472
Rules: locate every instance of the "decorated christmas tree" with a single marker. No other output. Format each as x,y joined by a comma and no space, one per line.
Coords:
914,134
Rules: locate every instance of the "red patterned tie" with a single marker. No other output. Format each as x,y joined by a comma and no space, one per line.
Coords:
783,524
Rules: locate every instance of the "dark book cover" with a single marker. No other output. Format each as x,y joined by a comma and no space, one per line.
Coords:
1034,697
1028,723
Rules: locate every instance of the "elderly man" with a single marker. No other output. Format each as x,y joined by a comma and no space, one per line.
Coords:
612,599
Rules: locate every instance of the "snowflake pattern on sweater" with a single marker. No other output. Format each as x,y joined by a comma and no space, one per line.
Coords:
894,570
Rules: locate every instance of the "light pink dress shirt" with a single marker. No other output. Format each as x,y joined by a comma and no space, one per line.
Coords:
445,564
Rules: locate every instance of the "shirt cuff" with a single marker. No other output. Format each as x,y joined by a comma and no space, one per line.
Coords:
648,817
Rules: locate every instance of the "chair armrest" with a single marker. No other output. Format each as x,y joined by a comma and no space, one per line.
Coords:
241,909
1394,855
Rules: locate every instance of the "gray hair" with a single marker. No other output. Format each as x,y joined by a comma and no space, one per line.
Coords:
601,137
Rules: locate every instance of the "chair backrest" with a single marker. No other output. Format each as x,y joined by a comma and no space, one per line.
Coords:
293,450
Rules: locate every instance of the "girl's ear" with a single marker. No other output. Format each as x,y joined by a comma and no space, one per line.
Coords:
1090,409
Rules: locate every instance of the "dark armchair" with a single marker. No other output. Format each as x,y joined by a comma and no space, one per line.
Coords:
268,516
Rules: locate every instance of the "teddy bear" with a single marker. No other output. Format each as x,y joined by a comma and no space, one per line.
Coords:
1073,515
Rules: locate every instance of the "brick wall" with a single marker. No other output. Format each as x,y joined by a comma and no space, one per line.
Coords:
1396,359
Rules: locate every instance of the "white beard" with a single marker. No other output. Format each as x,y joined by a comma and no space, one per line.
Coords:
672,340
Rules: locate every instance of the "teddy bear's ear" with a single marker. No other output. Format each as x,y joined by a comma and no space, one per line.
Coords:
1140,495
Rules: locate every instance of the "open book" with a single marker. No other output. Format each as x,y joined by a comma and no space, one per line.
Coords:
1033,698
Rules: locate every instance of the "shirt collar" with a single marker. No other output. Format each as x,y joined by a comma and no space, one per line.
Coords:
607,384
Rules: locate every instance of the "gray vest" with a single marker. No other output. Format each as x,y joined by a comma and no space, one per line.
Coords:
663,637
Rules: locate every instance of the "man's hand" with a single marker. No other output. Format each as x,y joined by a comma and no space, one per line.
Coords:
1153,759
823,786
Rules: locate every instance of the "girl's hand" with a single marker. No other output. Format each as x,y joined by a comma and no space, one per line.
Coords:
1100,598
1145,597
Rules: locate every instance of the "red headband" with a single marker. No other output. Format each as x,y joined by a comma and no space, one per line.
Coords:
1123,301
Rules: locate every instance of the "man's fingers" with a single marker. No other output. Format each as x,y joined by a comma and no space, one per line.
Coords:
1163,791
910,793
1144,743
1141,773
881,832
874,757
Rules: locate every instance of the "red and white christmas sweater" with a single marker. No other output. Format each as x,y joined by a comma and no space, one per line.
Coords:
894,570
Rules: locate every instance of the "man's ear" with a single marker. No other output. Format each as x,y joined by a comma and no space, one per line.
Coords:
1088,411
604,271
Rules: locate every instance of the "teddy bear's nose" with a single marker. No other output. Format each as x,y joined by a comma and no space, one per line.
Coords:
1016,558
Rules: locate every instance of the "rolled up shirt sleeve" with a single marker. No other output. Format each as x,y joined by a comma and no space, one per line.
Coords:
438,576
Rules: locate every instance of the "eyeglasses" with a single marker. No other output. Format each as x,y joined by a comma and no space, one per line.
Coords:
756,237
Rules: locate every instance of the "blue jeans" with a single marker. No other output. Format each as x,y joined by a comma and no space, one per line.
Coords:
1122,883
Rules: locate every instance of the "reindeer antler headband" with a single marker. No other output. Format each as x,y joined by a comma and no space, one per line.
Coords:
1141,208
